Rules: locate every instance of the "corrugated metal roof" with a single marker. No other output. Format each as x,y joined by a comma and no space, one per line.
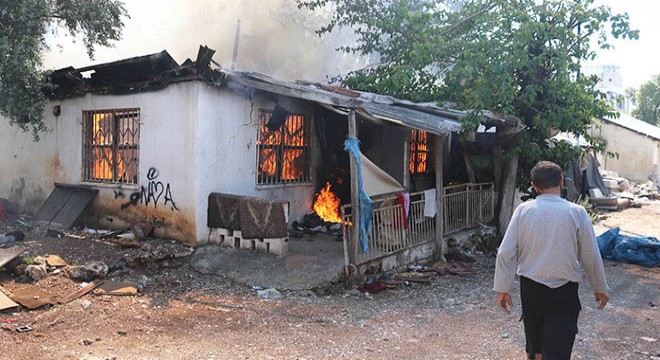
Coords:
636,125
414,119
422,116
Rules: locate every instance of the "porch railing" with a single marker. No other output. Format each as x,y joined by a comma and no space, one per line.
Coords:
467,205
392,231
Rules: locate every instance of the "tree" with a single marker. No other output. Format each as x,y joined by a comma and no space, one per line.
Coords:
518,57
647,100
23,25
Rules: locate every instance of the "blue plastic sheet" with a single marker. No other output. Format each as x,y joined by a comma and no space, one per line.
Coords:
642,250
366,207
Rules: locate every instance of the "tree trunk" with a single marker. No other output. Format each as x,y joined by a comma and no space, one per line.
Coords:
507,192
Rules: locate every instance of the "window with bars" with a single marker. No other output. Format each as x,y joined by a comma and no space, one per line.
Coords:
111,141
419,152
283,154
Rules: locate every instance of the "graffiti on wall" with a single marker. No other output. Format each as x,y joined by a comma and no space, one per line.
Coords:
154,192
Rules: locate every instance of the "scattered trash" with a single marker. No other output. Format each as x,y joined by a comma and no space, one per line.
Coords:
505,336
372,287
648,339
80,292
10,238
33,298
24,328
86,304
54,233
117,288
6,302
629,248
269,294
415,267
55,261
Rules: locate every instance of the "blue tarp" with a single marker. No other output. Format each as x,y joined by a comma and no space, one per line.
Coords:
642,250
366,208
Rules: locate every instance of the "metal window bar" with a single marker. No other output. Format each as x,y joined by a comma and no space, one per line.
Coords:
419,152
111,141
283,154
465,206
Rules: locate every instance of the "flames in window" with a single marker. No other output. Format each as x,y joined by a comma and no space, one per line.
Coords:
419,151
283,152
110,140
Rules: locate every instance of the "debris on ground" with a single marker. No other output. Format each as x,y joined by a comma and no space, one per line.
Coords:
117,288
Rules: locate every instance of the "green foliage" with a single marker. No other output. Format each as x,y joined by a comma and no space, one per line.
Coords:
23,25
28,260
647,100
517,57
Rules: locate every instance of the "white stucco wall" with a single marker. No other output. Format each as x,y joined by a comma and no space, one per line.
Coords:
27,168
167,143
638,154
226,150
196,137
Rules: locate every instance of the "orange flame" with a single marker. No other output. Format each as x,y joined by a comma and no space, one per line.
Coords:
418,152
103,169
326,205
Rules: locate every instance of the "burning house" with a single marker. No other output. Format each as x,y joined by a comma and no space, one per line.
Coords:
201,151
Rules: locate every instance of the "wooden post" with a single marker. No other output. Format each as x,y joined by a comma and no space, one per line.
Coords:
355,197
440,243
507,189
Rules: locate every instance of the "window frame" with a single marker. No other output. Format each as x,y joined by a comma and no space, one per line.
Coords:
90,145
414,158
280,149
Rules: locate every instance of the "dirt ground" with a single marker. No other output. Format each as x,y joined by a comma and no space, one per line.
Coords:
181,314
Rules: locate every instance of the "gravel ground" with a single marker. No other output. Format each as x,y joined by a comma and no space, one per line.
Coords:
181,314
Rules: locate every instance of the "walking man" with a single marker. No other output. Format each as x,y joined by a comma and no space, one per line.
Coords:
549,243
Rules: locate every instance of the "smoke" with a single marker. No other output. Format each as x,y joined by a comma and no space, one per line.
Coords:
276,38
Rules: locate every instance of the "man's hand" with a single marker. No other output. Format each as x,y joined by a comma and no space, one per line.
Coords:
505,303
601,298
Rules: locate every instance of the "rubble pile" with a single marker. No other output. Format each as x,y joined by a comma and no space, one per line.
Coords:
624,192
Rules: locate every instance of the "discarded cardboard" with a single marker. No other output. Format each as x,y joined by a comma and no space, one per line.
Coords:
6,303
33,298
118,288
7,255
55,261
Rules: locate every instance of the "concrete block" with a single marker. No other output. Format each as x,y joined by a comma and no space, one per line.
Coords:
215,237
231,242
224,232
237,234
261,246
278,246
246,244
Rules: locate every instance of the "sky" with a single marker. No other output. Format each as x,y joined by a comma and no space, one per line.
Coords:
275,40
639,59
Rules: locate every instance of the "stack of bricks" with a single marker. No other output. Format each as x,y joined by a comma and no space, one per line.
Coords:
233,239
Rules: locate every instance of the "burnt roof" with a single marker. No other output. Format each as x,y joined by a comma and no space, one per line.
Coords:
156,71
142,73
